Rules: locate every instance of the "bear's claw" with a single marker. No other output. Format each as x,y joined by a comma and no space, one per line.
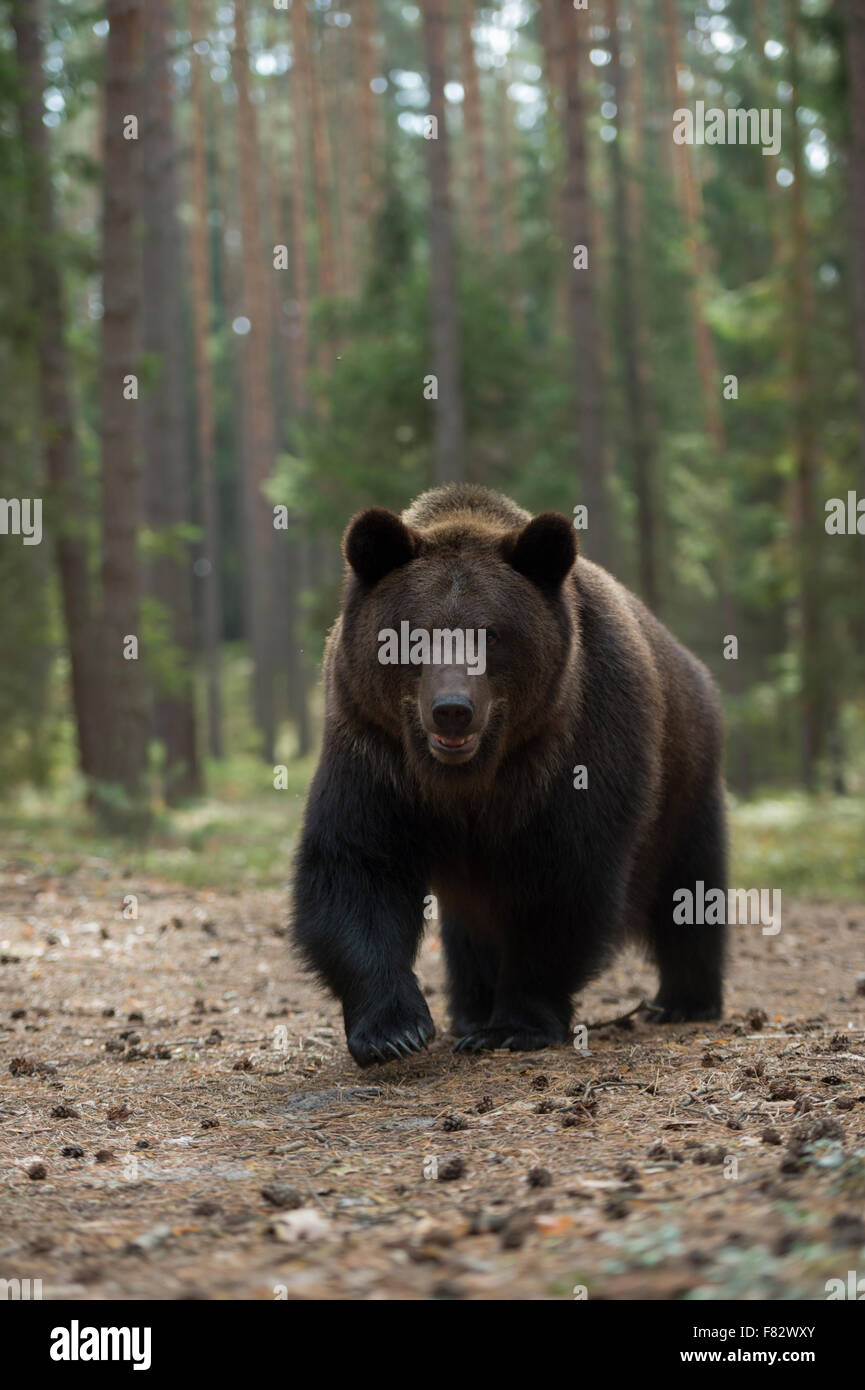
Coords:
684,1011
515,1037
380,1041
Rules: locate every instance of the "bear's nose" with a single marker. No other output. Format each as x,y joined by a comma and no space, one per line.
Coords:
452,714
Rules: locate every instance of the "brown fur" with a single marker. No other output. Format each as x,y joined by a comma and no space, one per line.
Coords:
537,881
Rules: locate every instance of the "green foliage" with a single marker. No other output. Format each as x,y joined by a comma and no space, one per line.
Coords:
812,848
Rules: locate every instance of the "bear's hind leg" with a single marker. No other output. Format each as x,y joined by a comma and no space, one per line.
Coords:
552,946
472,968
690,957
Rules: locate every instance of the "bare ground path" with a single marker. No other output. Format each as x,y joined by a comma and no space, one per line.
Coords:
179,1118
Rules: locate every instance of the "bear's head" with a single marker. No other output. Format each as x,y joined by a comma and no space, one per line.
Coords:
458,633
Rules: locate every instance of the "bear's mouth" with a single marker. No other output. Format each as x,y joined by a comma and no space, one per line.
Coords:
453,748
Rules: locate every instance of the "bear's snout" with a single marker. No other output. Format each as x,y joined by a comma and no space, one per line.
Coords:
452,714
453,708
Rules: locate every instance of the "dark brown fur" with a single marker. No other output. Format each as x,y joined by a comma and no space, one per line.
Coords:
537,882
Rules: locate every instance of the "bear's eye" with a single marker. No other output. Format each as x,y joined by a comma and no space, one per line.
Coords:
492,636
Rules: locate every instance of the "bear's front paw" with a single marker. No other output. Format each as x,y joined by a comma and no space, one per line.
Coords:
395,1031
681,1009
516,1037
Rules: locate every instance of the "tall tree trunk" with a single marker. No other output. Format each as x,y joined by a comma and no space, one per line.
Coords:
854,17
227,307
199,247
300,265
68,520
770,164
507,169
808,531
166,490
548,23
689,203
449,437
313,106
636,193
593,462
297,544
258,404
337,77
479,187
122,755
854,21
631,335
368,133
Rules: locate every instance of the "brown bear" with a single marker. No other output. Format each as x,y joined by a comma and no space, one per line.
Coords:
552,795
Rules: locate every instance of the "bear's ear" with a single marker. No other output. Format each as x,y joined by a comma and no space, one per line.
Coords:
377,542
544,550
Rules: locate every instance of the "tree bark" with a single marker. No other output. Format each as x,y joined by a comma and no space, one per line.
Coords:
554,82
300,264
770,163
68,513
854,18
807,530
368,132
124,705
337,77
259,451
199,256
593,463
507,169
166,491
313,105
449,431
479,188
199,248
689,203
631,335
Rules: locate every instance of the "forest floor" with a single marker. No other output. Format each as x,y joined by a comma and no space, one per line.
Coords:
179,1118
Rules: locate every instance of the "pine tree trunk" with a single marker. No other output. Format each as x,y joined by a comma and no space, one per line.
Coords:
297,545
300,265
631,335
593,464
689,203
68,519
507,200
123,713
808,531
199,248
368,134
548,22
479,189
770,163
258,422
854,17
337,78
166,489
304,72
449,432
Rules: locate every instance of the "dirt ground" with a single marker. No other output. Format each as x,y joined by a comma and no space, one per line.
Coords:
179,1118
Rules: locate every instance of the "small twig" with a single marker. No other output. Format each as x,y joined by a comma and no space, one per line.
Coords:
314,1195
604,1085
643,1004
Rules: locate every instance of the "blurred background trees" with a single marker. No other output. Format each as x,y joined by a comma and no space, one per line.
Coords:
245,293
